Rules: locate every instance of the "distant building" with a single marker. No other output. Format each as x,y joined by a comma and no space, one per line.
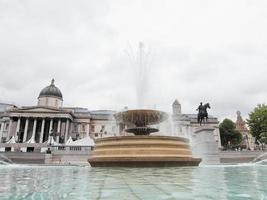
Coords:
4,121
247,139
50,118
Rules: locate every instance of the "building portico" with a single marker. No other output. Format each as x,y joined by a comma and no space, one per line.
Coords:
34,124
38,128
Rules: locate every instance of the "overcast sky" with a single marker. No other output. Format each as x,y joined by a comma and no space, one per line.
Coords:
210,51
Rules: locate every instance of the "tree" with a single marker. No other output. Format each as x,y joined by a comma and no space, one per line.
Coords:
257,122
229,134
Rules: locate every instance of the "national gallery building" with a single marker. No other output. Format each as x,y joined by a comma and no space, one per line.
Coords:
49,118
36,124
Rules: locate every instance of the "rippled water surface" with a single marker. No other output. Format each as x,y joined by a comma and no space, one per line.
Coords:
217,182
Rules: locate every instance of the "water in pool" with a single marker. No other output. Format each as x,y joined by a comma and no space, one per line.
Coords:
213,182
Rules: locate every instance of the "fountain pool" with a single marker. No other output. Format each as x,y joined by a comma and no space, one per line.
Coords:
73,182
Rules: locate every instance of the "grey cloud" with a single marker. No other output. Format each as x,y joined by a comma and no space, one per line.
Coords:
194,57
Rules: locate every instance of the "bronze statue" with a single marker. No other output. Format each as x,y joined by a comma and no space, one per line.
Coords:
202,116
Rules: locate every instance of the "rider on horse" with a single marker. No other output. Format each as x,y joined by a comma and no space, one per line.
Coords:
202,112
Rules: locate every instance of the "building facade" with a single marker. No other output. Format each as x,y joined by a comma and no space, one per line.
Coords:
49,118
4,120
35,124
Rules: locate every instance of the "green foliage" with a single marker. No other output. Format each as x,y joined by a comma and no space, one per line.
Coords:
257,122
229,133
263,137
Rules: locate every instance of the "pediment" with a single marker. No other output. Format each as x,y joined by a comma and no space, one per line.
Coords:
41,110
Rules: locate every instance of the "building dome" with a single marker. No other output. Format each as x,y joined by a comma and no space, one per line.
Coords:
51,91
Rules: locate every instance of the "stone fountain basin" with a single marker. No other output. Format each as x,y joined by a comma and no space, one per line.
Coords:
141,117
142,130
142,151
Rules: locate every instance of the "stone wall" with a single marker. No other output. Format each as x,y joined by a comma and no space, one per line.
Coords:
228,157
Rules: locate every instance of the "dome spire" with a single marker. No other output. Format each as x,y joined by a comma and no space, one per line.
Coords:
53,81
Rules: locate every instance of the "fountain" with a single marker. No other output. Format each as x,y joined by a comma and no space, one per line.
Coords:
142,149
140,119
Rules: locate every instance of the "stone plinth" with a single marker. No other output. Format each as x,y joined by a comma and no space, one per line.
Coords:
142,151
204,145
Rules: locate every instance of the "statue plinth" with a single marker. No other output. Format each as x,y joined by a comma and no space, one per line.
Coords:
205,145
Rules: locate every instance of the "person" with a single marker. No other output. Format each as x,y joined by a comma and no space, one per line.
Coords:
200,108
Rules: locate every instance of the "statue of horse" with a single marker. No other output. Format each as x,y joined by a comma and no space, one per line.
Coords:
202,116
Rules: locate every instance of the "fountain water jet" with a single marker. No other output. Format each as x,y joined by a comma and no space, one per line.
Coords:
142,149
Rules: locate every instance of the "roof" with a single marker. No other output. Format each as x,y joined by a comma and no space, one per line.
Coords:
12,140
102,114
5,106
79,112
51,91
69,141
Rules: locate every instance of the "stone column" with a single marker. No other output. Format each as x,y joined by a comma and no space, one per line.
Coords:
1,131
66,131
34,129
25,130
50,129
9,129
58,129
87,129
17,129
42,131
51,126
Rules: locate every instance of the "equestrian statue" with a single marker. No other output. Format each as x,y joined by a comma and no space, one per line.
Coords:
202,116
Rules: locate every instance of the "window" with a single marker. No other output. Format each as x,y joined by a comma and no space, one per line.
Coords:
7,149
92,128
102,128
75,128
30,149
